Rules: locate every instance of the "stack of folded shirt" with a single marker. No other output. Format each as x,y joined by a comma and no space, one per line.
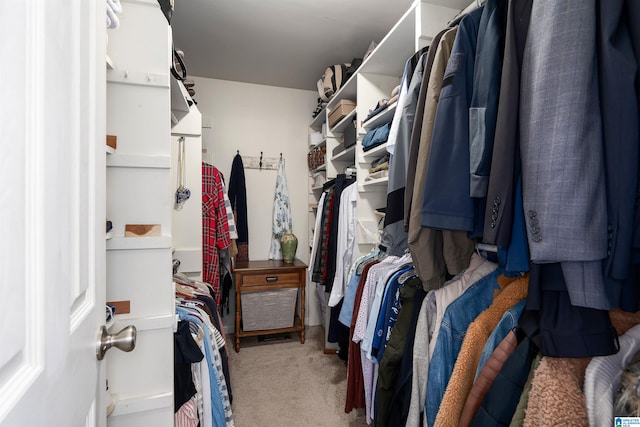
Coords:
376,136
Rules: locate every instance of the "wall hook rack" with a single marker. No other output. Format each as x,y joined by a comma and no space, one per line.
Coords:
260,162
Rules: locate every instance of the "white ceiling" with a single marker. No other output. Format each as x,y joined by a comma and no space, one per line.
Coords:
286,43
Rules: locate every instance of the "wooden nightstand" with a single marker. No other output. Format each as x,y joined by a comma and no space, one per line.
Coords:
261,276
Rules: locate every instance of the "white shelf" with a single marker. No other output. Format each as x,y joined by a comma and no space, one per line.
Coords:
342,124
375,152
319,169
143,2
179,101
134,243
110,150
138,78
317,187
347,91
382,118
389,57
376,183
110,65
316,123
346,155
145,323
138,161
132,405
319,144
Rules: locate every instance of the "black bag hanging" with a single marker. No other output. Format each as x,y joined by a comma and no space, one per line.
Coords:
167,8
179,71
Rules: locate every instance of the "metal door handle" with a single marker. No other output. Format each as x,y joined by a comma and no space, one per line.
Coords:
124,340
272,278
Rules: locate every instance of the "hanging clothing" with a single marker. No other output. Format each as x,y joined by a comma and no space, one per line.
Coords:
457,318
507,398
474,341
486,90
349,300
505,161
621,135
391,358
556,396
486,377
186,352
446,201
394,235
358,328
215,230
233,233
221,414
238,198
399,407
416,131
346,242
313,257
341,182
281,213
355,397
563,170
602,378
435,252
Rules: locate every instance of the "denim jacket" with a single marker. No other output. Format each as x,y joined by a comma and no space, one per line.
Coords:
457,317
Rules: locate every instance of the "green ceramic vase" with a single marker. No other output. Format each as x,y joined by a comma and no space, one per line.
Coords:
289,245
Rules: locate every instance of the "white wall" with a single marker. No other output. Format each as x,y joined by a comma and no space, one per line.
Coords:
253,118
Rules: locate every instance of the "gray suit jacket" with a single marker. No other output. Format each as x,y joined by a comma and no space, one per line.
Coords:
562,147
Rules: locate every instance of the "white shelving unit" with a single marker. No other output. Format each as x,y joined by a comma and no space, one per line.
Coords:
346,155
383,117
187,239
373,81
374,153
139,192
342,124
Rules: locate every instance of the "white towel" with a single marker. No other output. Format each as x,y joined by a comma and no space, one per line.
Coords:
281,213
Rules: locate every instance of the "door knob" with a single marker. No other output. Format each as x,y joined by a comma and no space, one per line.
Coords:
124,340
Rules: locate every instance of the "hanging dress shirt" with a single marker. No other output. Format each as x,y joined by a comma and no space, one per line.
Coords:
345,242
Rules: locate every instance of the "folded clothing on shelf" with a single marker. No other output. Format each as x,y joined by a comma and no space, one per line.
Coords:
380,160
377,175
380,167
376,136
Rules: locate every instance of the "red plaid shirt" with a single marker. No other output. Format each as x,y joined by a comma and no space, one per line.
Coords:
215,228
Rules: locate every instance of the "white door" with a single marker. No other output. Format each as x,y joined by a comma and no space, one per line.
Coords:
52,249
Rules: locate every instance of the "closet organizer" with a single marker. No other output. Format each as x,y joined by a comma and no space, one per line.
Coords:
506,275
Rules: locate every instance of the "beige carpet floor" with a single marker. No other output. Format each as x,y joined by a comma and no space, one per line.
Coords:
285,383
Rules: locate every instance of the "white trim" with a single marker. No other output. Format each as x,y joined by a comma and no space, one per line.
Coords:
125,405
134,243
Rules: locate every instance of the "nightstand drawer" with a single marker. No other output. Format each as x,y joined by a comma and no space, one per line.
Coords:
270,279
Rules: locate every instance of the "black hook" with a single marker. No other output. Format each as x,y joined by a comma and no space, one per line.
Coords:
238,152
261,160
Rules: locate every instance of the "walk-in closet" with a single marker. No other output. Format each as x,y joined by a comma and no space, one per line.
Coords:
418,213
